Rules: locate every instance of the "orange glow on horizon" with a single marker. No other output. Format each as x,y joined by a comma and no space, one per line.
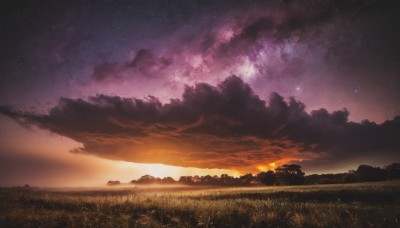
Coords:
265,168
273,165
161,170
60,168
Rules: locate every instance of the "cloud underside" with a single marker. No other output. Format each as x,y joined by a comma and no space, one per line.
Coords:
224,126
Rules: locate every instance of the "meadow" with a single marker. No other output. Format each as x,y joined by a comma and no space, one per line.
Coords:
342,205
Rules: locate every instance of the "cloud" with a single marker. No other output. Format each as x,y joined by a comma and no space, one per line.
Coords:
106,71
224,126
145,63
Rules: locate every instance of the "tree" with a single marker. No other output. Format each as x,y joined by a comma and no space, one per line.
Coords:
185,180
267,178
225,179
369,173
393,171
167,180
146,179
113,183
246,179
290,174
351,177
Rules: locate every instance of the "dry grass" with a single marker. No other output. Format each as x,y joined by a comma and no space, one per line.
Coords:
350,205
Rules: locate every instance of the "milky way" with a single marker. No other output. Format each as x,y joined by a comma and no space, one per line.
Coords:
328,54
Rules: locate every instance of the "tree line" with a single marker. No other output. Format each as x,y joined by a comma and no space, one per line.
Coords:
287,174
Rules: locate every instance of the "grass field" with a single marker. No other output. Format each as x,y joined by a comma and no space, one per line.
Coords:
347,205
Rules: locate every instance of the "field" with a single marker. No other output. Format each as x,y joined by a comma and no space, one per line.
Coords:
347,205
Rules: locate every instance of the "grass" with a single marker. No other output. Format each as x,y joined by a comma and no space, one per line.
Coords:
347,205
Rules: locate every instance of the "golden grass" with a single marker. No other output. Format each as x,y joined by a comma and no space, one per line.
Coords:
348,205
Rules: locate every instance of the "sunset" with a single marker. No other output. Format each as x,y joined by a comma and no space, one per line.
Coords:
186,97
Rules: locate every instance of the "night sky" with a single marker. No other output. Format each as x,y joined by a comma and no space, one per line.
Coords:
89,87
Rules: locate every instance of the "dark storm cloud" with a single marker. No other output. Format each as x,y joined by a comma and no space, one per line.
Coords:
211,126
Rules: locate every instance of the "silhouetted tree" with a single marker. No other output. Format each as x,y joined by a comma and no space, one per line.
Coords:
351,177
206,179
168,180
393,171
290,174
225,179
146,179
185,180
267,178
196,179
246,179
329,178
369,173
113,183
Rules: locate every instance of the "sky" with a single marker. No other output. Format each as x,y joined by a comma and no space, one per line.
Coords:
98,90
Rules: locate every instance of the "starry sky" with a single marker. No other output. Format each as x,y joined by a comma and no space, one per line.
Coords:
218,86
